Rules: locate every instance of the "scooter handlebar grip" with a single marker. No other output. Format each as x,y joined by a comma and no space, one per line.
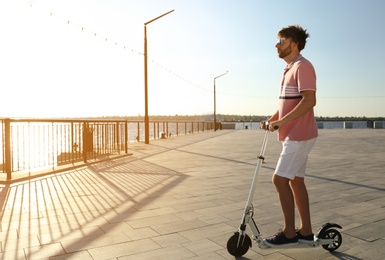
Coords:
267,126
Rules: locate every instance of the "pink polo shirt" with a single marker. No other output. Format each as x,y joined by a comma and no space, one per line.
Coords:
298,76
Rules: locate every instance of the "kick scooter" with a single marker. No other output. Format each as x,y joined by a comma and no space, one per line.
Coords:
239,243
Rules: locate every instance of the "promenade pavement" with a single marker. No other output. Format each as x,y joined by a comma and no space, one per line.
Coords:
183,197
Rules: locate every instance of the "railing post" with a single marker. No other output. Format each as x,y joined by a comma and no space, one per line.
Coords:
85,128
88,142
73,147
156,130
117,133
138,136
126,136
8,158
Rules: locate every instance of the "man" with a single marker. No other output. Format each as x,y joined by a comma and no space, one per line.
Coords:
297,130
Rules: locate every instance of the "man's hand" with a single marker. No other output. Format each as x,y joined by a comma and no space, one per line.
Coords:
274,125
262,124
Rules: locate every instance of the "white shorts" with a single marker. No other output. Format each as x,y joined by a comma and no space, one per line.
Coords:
293,159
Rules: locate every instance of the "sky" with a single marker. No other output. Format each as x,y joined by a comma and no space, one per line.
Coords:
85,58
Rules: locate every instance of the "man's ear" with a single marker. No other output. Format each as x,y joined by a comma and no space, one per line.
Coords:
295,44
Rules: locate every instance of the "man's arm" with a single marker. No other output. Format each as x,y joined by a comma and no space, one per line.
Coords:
307,103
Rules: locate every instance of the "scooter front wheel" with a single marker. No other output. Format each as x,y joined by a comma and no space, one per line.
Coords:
238,245
336,236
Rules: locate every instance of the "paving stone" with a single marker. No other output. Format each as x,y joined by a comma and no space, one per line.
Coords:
16,244
205,256
123,249
148,222
140,233
83,255
176,252
209,231
369,232
73,245
179,226
44,251
17,254
52,237
170,240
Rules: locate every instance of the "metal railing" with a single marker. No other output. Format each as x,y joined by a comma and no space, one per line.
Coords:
45,145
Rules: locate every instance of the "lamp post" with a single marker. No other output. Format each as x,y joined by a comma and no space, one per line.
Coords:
146,119
215,105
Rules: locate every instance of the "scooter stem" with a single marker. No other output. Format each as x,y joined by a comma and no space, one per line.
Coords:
257,169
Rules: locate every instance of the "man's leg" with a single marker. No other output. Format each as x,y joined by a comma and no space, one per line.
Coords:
302,201
285,195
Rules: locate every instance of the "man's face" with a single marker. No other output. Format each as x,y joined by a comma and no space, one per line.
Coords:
284,47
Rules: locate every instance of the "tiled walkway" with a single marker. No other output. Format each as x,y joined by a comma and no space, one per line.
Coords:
182,198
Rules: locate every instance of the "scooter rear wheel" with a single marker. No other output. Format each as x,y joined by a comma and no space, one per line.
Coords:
336,236
241,248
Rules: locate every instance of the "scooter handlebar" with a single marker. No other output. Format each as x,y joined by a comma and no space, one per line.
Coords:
267,126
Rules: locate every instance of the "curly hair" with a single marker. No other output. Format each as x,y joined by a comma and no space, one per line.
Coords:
296,33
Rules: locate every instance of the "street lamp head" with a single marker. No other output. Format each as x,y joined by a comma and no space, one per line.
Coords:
159,17
222,74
